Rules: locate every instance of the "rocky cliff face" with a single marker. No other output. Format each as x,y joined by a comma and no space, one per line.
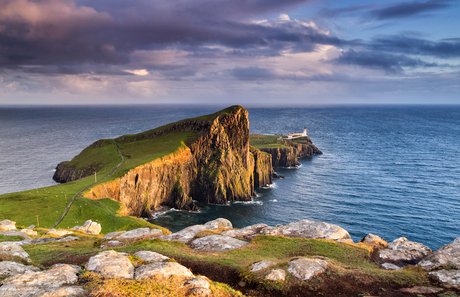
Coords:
287,157
217,168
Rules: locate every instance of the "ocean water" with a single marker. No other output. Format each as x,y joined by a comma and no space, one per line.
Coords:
388,170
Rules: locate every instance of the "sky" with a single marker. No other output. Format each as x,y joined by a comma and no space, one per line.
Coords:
249,52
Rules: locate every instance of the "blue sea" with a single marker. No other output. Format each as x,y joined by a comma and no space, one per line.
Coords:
388,170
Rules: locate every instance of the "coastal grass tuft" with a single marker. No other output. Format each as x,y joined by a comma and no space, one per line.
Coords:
266,141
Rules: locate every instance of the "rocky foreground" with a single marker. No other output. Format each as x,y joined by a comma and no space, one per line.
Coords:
19,278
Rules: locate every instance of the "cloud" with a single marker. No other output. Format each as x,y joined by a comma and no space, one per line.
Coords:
409,9
252,73
379,60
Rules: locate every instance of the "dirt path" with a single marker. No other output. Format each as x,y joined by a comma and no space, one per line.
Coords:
85,188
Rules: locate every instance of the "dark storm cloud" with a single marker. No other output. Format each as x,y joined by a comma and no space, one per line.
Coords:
389,62
409,9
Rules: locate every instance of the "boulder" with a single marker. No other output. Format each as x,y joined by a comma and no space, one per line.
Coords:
13,250
110,243
305,268
248,232
13,268
276,275
111,264
140,232
89,227
446,256
186,235
262,265
29,232
450,278
216,243
59,233
390,266
162,270
112,235
402,250
372,239
198,287
45,240
15,233
309,229
7,225
148,256
45,283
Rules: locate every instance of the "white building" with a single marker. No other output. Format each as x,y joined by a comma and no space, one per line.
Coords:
296,135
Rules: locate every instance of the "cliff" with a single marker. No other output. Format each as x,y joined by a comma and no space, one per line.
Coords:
216,165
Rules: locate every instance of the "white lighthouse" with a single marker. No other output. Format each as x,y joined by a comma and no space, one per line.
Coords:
305,131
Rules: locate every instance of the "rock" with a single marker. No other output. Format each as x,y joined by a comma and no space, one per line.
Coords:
60,233
13,250
389,266
162,270
187,234
47,239
30,232
111,264
7,225
262,265
148,256
403,250
374,240
446,256
198,287
421,290
31,227
216,243
45,283
110,243
140,232
305,268
14,268
450,278
89,227
73,291
76,268
248,232
112,235
276,275
309,229
15,233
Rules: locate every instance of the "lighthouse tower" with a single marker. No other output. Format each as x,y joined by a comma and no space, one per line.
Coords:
304,131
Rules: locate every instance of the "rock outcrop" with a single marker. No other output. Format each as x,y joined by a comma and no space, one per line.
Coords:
187,234
309,229
13,250
305,268
217,167
404,251
447,256
111,264
89,227
216,244
7,225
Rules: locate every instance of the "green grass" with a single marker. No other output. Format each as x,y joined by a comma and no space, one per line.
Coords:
266,141
4,238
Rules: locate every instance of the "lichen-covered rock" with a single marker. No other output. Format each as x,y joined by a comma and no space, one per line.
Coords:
187,234
450,278
390,266
13,250
140,232
309,229
216,243
7,225
446,256
276,275
15,233
112,235
403,250
262,265
248,232
45,283
374,240
111,264
305,268
60,233
13,268
198,287
148,256
89,227
218,223
29,232
110,243
162,270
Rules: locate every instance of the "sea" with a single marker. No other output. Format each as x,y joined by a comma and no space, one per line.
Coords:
387,170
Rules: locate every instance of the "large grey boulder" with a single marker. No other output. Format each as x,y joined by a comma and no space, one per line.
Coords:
450,278
89,227
262,265
276,275
13,250
248,232
13,268
186,235
403,250
162,270
446,256
140,232
305,268
51,282
7,225
148,256
309,229
216,243
111,264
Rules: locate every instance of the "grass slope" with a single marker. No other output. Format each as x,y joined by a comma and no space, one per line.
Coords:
266,141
